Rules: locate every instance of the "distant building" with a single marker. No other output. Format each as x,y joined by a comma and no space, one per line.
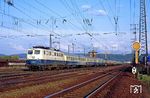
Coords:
93,54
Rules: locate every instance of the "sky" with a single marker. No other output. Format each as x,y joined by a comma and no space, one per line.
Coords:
88,24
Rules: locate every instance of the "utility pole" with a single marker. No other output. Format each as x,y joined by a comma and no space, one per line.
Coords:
52,30
50,41
57,43
116,18
84,51
134,28
73,46
134,32
116,24
143,53
105,56
68,49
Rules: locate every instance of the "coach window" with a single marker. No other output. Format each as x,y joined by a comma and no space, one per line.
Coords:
60,54
37,52
54,53
30,51
57,54
69,58
49,53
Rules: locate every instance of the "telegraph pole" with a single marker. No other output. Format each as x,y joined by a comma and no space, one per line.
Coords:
68,49
50,41
116,18
143,34
84,51
59,45
73,47
52,30
134,29
116,24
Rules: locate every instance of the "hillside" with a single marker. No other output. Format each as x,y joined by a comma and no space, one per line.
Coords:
116,57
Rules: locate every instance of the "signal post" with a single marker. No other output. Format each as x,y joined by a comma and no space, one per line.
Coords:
136,46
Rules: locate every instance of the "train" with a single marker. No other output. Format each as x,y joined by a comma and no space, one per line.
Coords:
10,63
42,58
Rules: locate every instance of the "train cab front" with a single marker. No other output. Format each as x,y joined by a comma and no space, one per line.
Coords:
33,58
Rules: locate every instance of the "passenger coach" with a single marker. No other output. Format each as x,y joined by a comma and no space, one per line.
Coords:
41,58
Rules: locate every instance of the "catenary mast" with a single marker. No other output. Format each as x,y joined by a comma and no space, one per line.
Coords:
143,53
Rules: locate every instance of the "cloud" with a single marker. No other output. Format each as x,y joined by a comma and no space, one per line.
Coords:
17,47
101,13
89,10
115,46
103,44
86,7
92,11
98,12
98,45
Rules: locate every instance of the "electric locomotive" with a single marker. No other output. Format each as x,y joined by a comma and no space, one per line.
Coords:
42,58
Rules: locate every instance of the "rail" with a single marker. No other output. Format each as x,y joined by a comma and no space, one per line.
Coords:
95,91
76,86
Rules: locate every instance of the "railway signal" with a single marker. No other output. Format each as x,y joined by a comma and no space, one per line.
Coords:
134,70
136,46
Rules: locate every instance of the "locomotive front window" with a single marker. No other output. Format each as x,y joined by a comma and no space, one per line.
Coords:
30,51
37,52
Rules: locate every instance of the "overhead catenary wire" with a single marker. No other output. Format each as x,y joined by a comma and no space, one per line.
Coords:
75,26
109,18
82,17
39,10
110,7
28,15
69,9
22,20
56,14
45,6
77,11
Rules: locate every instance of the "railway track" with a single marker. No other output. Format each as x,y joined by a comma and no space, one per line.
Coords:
87,88
10,82
13,76
10,75
15,81
97,90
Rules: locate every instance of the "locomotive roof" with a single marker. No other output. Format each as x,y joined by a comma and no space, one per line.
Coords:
80,56
43,47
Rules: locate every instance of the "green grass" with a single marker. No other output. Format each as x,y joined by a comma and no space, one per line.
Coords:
145,79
